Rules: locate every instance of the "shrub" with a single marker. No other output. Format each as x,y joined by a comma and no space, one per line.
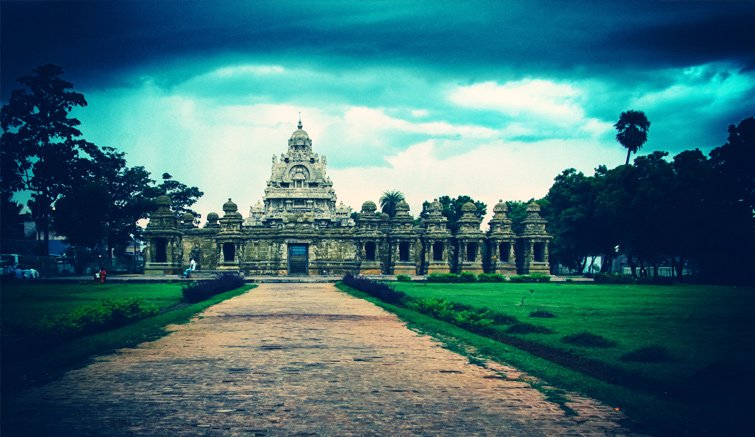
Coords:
467,277
199,291
491,277
527,328
648,354
613,278
443,277
535,277
374,288
404,278
435,307
87,319
588,340
542,314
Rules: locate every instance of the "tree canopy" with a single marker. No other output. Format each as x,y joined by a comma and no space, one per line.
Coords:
89,191
632,131
389,200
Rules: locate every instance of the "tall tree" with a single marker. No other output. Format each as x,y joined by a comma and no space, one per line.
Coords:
632,131
389,200
42,148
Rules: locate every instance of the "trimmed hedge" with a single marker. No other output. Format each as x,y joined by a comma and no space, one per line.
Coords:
403,278
83,320
375,289
535,277
199,291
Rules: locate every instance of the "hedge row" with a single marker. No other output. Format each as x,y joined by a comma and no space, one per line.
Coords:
485,277
375,289
199,291
618,278
83,320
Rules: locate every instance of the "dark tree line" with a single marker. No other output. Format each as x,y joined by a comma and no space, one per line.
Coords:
692,210
84,192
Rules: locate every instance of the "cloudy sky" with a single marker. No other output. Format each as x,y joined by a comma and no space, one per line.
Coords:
486,98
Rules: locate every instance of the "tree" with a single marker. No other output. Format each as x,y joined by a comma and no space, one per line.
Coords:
451,209
81,215
182,196
389,200
42,149
632,131
10,217
570,215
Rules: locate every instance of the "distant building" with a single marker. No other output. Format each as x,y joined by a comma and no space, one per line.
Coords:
299,229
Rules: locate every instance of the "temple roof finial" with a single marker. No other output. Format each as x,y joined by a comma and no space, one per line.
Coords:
299,125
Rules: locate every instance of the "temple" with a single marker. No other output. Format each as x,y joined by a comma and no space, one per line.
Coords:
299,228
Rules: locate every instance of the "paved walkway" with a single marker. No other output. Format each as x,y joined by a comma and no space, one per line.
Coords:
300,359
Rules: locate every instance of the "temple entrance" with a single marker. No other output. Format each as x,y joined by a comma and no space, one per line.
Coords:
297,259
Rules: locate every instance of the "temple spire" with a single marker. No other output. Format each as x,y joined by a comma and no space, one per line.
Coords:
299,125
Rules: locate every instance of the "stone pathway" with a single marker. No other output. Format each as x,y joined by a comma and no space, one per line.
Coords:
296,359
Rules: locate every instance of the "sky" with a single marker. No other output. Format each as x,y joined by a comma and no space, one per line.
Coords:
492,99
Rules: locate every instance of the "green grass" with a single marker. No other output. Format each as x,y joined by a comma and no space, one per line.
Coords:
708,331
700,326
25,303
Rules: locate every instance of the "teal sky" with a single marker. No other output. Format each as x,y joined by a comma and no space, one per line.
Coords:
489,99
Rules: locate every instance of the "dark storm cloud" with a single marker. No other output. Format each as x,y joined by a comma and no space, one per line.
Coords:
99,43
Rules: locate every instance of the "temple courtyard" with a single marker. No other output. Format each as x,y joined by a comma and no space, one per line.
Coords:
298,359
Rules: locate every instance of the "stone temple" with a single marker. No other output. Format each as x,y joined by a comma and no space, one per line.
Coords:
299,228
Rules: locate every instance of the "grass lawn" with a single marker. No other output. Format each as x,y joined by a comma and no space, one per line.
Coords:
24,304
708,331
27,302
700,326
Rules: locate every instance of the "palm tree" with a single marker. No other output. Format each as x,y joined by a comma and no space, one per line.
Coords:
389,200
632,130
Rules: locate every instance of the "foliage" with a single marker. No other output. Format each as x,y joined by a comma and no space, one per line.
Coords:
443,277
83,320
632,130
613,278
203,290
451,209
403,278
534,277
373,288
182,196
467,277
588,339
691,212
389,200
89,191
517,214
491,277
42,150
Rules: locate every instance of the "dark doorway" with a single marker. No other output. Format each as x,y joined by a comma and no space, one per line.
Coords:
539,254
369,251
438,251
503,252
161,250
403,251
471,252
298,259
229,252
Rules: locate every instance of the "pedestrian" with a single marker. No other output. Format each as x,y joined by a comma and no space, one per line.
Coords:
192,267
103,274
